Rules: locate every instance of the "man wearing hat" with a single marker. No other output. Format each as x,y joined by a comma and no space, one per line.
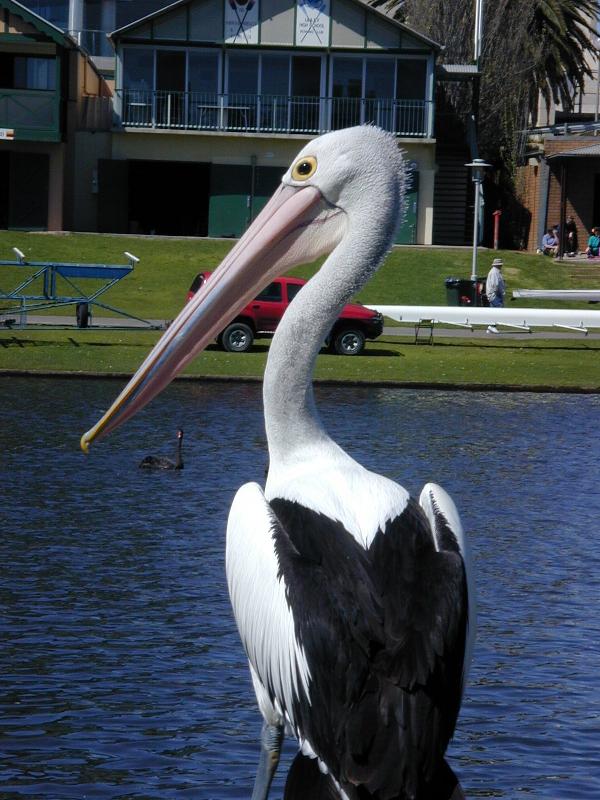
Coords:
494,285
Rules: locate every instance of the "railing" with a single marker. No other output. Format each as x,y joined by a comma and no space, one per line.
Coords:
29,111
269,113
93,42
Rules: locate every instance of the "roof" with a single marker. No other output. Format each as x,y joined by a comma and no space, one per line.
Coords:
592,151
456,72
377,12
39,23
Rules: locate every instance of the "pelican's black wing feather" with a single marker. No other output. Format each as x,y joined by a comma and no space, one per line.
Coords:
384,634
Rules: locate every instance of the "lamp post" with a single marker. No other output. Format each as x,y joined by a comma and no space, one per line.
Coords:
477,167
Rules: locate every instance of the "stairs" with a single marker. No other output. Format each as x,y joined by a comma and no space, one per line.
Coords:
453,196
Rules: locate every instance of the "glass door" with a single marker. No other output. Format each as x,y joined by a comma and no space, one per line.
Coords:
379,92
205,109
275,92
346,91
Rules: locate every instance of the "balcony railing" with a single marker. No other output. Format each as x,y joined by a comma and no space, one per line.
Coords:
269,113
94,42
34,114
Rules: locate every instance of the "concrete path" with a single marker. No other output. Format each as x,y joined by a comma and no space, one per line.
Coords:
405,332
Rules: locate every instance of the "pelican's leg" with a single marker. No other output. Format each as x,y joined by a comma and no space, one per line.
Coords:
271,739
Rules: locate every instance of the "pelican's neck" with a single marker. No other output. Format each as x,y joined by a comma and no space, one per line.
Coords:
291,419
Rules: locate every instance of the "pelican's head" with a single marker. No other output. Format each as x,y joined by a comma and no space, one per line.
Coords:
350,168
348,177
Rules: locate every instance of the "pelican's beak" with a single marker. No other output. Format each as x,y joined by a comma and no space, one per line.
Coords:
268,247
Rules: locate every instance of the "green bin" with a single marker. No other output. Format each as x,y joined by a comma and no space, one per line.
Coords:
464,292
452,295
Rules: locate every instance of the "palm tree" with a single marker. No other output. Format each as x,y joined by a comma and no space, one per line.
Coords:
531,50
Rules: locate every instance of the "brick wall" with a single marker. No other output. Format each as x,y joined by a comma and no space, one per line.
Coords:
580,187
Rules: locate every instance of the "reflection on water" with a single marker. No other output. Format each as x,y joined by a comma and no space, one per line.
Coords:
121,674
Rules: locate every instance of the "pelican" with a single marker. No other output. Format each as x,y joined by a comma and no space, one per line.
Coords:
352,599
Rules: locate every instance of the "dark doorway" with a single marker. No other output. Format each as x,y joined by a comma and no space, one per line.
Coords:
595,221
306,86
24,191
170,85
168,198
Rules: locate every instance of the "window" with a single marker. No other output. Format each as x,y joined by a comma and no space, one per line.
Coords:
27,72
203,72
275,74
138,69
379,92
55,11
243,73
411,91
412,79
347,91
292,290
271,293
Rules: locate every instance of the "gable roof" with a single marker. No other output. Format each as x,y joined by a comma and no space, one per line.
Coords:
592,150
375,11
40,24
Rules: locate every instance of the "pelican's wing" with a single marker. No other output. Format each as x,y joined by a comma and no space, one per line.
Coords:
447,529
258,596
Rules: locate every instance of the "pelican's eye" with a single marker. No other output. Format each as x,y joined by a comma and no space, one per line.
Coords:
304,168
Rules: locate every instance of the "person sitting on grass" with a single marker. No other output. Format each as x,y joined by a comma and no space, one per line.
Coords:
593,246
549,243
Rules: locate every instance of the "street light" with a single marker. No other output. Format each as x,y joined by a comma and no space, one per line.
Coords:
477,167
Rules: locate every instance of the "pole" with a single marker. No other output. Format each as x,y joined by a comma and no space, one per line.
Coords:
478,31
475,236
496,215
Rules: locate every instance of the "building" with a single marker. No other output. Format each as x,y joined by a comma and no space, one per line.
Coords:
55,114
213,98
561,177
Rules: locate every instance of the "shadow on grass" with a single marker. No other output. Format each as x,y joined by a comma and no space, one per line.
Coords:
520,345
70,342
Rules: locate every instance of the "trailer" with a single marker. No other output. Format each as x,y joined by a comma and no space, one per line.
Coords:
56,284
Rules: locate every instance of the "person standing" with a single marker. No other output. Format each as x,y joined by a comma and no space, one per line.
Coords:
495,289
494,285
571,237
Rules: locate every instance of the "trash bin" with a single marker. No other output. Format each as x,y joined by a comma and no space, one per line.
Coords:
452,291
459,292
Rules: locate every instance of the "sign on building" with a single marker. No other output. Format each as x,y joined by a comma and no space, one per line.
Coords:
312,23
7,133
241,21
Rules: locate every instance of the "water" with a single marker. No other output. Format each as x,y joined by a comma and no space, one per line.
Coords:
121,673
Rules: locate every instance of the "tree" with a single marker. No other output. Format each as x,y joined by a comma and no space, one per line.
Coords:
530,50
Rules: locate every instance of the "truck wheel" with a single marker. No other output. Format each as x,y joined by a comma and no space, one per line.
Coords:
348,342
237,337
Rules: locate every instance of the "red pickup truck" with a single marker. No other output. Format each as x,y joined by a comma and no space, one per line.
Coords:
354,325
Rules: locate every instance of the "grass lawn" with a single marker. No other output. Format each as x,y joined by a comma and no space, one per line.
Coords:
565,364
158,285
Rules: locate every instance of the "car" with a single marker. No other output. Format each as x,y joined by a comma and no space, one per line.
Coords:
353,327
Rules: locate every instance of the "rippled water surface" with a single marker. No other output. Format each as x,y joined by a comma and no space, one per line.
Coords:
121,674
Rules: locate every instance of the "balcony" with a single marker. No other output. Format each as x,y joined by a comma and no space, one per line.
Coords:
34,115
276,114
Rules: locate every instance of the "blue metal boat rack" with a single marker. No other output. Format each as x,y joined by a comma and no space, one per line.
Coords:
16,301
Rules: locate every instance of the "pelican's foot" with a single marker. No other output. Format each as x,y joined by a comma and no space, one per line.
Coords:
271,739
